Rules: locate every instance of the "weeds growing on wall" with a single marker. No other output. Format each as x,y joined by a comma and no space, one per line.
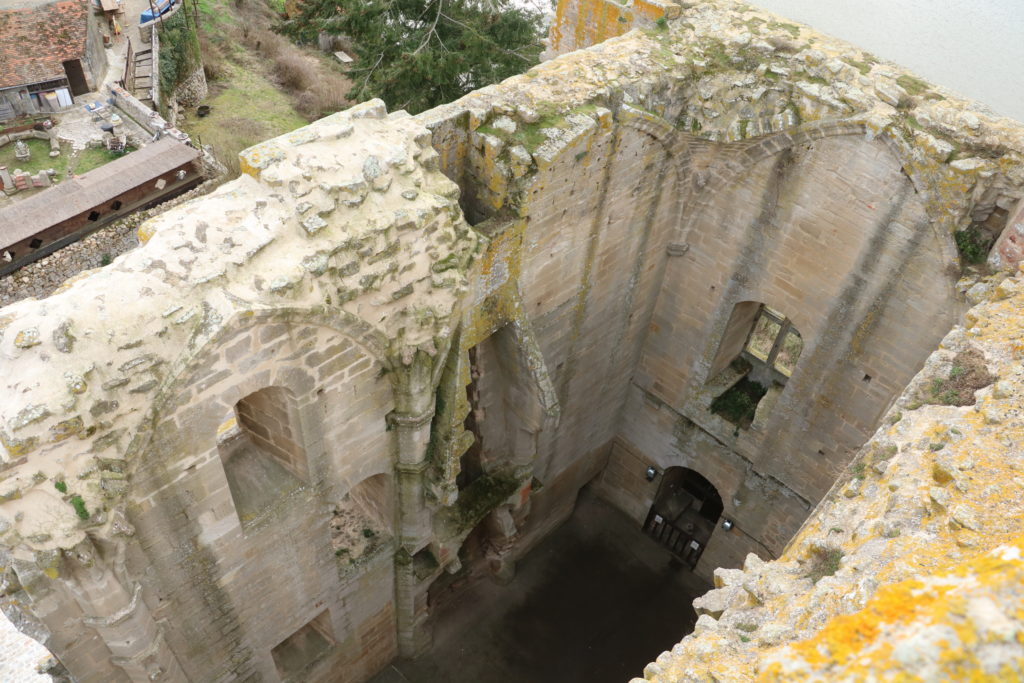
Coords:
966,375
972,245
79,505
179,52
825,563
739,403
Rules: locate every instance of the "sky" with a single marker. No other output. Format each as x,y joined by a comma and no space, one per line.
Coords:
973,47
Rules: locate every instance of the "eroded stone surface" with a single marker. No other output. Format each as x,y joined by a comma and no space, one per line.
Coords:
245,249
626,200
928,577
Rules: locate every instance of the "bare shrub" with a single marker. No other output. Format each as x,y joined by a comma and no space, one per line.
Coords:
214,62
293,71
326,96
308,104
265,43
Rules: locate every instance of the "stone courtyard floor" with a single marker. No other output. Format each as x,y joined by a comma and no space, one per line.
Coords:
594,602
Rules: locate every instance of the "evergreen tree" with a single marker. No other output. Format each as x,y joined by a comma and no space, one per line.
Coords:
417,54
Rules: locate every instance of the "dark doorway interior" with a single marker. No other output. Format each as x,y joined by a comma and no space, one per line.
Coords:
595,602
76,76
684,513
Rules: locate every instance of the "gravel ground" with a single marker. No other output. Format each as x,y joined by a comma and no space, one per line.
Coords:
40,278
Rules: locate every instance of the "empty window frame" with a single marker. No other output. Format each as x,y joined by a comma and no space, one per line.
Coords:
774,342
260,450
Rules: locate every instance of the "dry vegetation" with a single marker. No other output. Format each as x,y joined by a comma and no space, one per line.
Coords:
261,84
966,375
317,88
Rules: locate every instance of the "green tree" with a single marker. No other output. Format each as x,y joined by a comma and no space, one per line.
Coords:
417,54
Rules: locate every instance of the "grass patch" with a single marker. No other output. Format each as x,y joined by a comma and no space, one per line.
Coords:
966,375
913,86
247,109
215,18
824,563
40,159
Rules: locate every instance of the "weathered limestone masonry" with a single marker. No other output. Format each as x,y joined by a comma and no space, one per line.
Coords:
911,568
251,447
327,274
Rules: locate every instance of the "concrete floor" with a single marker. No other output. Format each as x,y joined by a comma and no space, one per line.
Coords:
594,603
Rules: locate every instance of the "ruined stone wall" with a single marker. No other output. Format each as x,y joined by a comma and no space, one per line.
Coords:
845,249
910,568
583,23
210,562
609,191
198,539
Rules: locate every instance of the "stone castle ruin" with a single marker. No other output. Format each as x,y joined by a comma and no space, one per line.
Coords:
718,246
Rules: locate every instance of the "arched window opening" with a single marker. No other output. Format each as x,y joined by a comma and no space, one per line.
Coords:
362,521
758,354
684,514
259,446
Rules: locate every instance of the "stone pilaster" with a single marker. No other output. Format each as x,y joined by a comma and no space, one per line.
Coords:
121,618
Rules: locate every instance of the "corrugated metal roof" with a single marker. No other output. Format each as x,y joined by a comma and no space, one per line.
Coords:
26,217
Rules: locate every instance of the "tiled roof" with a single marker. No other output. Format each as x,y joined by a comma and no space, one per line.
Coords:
35,40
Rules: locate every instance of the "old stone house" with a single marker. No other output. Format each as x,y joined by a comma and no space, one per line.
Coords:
50,52
254,447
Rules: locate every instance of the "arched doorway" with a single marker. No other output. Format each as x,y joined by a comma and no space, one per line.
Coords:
684,513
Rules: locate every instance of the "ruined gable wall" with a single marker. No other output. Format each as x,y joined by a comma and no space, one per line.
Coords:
911,566
329,275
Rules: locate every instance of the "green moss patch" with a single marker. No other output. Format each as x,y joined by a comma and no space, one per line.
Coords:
824,563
